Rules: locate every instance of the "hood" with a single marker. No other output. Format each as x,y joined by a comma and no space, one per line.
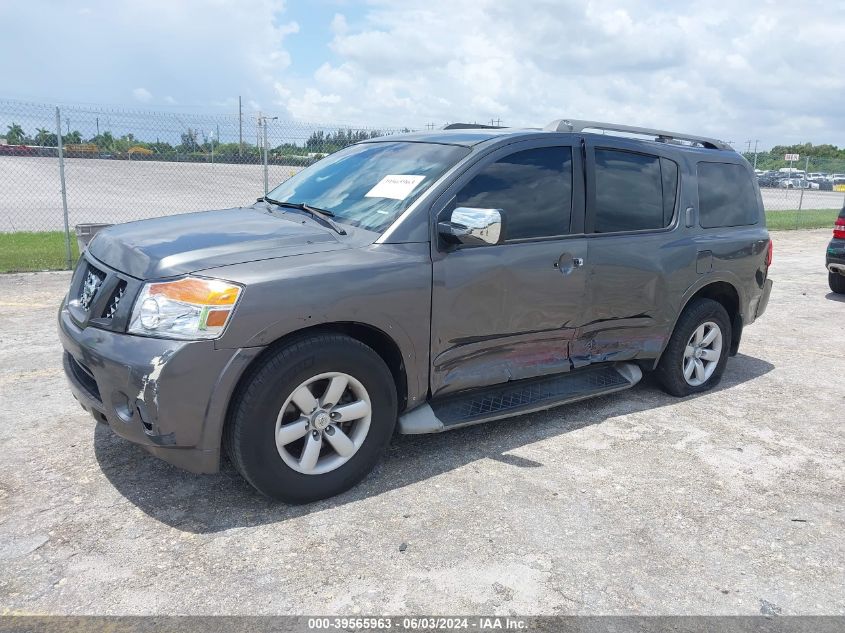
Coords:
186,243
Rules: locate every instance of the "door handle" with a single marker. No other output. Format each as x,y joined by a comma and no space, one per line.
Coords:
567,263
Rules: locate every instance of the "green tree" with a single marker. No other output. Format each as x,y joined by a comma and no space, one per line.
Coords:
73,137
45,138
15,135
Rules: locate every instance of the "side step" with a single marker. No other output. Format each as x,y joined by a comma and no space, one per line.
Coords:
516,398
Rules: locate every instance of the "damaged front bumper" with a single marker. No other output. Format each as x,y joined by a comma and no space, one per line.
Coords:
168,396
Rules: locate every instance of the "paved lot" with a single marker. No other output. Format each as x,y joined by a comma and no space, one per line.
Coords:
119,191
732,502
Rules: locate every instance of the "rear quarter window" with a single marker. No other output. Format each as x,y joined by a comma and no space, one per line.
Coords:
726,196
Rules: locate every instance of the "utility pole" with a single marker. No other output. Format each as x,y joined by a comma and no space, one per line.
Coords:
755,152
240,128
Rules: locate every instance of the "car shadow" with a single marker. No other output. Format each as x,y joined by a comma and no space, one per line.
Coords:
211,503
832,296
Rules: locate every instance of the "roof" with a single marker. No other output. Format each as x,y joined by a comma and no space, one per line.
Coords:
465,137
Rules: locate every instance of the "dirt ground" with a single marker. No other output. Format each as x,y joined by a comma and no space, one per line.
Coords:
732,502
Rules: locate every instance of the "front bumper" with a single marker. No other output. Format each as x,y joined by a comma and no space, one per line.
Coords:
168,396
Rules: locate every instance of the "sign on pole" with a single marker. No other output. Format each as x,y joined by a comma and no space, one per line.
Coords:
790,157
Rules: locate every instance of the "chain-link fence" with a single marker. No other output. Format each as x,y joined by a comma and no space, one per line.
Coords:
800,192
121,165
126,165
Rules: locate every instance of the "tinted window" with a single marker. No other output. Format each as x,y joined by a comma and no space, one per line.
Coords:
726,196
533,187
634,192
370,184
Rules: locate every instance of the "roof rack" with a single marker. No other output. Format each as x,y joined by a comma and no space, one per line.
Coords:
471,126
576,125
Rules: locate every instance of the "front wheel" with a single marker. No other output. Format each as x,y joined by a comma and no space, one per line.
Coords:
312,419
696,355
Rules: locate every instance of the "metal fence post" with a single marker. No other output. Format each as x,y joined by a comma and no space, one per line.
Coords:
264,142
803,181
68,254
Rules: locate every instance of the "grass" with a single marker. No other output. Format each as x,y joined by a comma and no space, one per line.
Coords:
804,219
28,251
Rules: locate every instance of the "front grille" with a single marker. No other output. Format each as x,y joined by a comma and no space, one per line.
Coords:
84,377
91,282
114,301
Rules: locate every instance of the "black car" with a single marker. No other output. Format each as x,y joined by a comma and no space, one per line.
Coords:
836,256
769,179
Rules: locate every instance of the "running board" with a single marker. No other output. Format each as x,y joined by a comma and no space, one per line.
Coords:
516,398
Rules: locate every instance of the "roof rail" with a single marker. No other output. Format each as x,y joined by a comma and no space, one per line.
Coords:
576,125
471,126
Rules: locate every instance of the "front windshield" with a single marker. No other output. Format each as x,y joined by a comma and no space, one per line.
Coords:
370,184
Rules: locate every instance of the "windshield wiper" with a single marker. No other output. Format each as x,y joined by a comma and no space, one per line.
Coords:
323,215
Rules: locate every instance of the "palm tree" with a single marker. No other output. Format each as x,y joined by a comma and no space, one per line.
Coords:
41,135
15,134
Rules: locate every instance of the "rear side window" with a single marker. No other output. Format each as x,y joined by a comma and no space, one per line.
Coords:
533,187
634,192
726,196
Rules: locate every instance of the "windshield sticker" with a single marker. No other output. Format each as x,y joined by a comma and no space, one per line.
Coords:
394,187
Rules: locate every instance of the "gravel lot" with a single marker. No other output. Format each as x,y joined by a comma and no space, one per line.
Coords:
119,191
732,502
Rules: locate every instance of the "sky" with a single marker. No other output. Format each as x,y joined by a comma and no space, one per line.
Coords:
735,70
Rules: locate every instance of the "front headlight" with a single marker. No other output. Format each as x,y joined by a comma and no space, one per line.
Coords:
190,308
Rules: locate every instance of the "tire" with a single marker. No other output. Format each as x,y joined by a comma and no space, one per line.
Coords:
836,282
670,371
256,418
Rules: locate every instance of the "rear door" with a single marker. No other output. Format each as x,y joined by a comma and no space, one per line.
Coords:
509,311
636,260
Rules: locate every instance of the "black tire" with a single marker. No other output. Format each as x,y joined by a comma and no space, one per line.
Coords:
669,371
836,282
249,436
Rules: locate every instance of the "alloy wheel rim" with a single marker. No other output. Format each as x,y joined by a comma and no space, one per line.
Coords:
323,423
702,353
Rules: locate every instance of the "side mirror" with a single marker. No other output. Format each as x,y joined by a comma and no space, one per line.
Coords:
474,227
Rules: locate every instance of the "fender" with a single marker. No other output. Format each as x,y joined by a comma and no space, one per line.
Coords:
702,282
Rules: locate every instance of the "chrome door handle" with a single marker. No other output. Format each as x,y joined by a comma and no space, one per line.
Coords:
577,262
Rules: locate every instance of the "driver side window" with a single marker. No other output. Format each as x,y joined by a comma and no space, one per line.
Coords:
533,187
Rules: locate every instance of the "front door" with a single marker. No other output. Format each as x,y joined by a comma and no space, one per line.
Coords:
509,311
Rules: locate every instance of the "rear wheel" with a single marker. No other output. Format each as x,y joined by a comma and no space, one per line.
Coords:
696,355
836,282
313,418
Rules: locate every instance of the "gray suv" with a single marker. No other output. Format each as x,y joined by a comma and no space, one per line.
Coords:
423,281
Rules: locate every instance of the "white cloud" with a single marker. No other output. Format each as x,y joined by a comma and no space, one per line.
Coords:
735,70
732,70
198,52
142,94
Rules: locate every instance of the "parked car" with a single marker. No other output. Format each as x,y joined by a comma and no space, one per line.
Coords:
835,259
769,179
430,281
796,183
